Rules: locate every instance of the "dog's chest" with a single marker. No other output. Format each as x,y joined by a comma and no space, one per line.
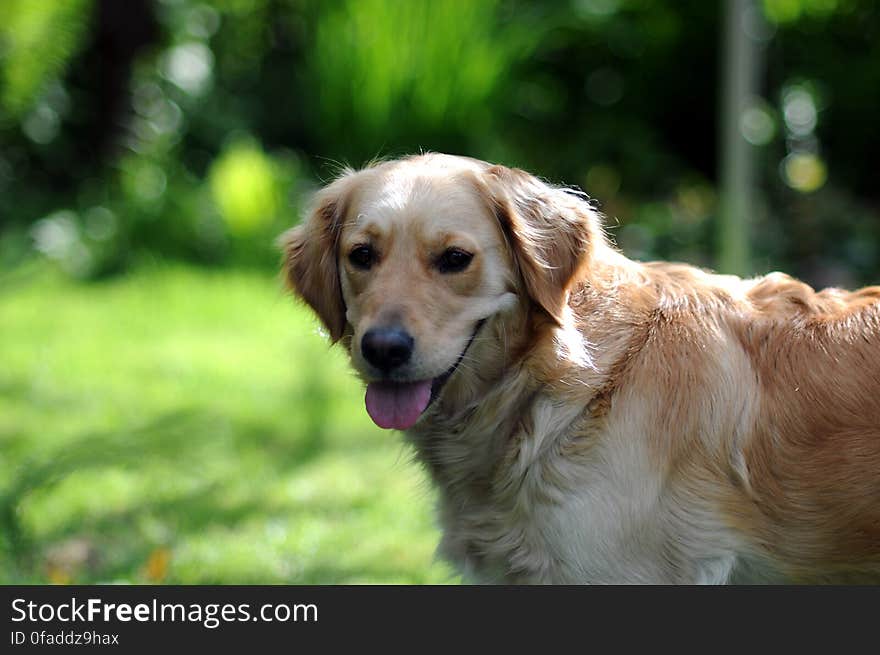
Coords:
545,500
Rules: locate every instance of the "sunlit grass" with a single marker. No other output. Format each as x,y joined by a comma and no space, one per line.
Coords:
184,426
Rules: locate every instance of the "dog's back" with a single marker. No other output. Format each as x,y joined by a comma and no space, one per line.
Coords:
812,496
770,397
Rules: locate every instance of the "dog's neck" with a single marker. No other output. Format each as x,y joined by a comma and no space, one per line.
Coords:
464,433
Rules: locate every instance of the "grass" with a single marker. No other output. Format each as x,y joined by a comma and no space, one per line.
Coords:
189,426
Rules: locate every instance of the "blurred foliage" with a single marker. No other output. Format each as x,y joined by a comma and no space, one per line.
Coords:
429,69
245,187
52,29
786,11
191,129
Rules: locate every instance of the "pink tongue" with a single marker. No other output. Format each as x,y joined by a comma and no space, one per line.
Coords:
397,405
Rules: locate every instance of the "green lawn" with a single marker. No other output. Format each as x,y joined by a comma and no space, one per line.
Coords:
188,426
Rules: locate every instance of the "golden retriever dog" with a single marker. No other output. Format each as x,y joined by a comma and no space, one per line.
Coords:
587,418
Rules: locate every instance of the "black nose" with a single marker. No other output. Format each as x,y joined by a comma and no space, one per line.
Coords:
387,348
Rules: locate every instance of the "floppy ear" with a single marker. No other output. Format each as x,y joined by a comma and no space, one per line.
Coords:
310,257
551,233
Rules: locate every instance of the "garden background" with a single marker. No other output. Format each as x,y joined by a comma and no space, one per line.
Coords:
168,415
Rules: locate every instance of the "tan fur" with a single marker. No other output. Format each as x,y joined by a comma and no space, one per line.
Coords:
310,257
613,421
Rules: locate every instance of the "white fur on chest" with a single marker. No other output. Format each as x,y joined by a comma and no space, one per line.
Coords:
583,513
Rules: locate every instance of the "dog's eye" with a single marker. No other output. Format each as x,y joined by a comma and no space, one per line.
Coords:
361,257
453,260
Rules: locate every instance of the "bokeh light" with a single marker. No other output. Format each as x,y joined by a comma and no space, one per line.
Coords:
245,186
804,172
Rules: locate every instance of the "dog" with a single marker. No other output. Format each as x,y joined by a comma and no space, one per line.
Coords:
587,418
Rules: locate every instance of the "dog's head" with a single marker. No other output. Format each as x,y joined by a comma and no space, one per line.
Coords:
407,260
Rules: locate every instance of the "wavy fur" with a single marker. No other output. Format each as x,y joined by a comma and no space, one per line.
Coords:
613,421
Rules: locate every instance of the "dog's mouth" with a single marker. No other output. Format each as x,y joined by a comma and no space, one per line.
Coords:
398,405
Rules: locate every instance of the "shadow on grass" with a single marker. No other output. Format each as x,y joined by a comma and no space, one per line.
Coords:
180,440
124,552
